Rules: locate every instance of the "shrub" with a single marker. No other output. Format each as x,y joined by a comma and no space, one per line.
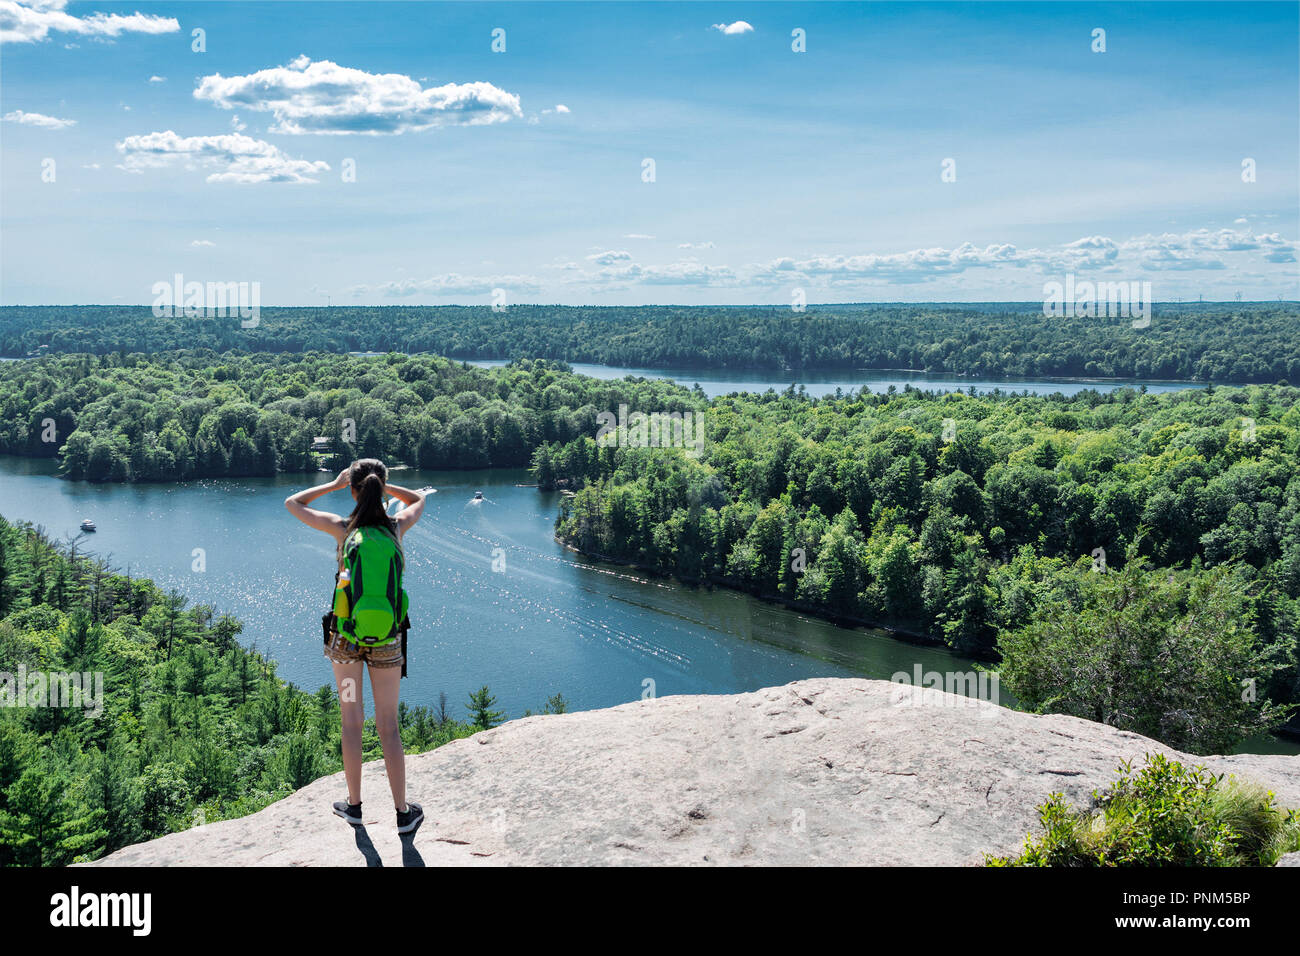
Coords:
1163,815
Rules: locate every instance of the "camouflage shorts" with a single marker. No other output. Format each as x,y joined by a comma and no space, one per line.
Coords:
342,651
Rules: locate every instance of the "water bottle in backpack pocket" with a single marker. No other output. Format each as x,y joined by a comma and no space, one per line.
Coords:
342,598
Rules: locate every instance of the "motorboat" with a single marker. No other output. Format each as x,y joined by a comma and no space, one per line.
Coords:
87,525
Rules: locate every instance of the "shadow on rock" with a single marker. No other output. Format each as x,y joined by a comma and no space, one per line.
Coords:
410,855
367,848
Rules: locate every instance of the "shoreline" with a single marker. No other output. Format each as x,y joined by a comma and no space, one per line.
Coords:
847,621
1287,731
671,372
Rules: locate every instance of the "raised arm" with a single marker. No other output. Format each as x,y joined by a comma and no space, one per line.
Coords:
414,501
331,524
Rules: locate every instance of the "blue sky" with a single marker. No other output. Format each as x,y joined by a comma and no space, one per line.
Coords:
774,170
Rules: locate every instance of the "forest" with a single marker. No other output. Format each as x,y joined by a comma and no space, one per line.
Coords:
1130,558
194,727
1240,342
195,414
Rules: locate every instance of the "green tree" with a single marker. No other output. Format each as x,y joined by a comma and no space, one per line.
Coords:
1170,655
481,713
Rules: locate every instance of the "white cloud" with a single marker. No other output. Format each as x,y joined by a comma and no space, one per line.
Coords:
733,29
232,157
1200,249
916,265
451,283
1203,248
323,97
609,258
38,119
237,124
966,267
684,272
197,243
157,79
91,166
29,21
695,245
1089,251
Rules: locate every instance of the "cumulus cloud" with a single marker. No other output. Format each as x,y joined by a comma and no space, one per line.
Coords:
1091,251
683,272
610,257
559,108
323,97
916,265
733,29
451,283
38,119
157,79
232,157
614,270
30,21
1201,249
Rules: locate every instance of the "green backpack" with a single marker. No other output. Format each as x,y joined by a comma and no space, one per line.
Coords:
372,608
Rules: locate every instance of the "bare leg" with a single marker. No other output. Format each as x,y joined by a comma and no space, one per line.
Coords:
352,706
385,683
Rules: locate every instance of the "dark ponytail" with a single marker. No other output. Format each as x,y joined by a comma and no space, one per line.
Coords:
368,477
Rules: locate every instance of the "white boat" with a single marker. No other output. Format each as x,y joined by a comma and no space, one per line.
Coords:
87,525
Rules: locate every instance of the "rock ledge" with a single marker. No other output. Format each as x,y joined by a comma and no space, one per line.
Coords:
825,771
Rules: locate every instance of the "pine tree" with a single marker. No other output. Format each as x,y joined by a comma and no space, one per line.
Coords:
480,709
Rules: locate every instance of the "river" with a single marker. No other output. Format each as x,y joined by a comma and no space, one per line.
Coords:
549,622
817,383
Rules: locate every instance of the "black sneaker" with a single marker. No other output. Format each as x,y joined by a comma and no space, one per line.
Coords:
348,811
409,821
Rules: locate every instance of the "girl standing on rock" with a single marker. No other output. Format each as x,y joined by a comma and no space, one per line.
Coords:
367,625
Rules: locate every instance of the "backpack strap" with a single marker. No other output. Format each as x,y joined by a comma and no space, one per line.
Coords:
406,624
